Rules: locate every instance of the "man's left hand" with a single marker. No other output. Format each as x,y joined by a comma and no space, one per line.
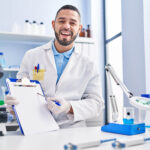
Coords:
58,105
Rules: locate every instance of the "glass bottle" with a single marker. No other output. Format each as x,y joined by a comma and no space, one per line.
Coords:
88,31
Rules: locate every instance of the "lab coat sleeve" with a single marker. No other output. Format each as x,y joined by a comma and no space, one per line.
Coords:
24,71
92,103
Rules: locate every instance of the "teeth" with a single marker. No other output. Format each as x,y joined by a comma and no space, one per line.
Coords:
65,33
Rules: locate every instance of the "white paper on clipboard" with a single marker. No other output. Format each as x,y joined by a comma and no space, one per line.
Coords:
32,112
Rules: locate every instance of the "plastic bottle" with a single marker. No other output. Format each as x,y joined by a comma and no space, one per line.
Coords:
88,31
27,27
2,60
35,29
42,28
16,28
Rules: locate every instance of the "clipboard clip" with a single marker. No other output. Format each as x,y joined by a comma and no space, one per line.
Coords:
25,82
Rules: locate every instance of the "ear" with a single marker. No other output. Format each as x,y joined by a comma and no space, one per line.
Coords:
80,28
53,24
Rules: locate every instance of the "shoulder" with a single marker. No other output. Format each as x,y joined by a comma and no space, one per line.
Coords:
85,62
39,50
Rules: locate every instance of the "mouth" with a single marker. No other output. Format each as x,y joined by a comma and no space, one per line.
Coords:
65,34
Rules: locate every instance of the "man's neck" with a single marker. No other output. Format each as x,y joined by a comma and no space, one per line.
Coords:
61,48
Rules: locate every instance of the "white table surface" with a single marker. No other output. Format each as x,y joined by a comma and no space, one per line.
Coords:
55,140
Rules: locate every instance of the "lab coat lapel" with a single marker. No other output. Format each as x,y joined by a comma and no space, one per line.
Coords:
71,63
51,57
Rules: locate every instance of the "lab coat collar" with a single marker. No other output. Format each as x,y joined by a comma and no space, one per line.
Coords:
66,54
48,46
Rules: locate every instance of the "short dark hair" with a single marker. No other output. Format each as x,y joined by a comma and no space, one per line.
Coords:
70,7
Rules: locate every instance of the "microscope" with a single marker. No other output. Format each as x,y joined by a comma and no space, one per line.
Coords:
3,113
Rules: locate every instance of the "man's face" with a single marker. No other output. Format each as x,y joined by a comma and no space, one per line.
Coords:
66,26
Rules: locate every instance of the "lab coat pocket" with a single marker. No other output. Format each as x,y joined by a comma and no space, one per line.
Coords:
38,75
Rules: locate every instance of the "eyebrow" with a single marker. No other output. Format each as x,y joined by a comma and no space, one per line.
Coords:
65,18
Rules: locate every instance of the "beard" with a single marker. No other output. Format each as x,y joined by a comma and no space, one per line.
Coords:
64,41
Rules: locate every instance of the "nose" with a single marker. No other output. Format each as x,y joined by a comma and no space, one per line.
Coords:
66,25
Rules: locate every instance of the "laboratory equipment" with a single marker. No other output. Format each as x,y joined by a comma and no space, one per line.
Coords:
4,117
137,101
125,129
71,146
127,142
128,115
1,71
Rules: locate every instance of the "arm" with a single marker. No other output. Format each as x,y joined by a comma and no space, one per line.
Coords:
91,103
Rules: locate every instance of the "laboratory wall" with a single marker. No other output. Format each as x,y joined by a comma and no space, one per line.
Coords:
16,12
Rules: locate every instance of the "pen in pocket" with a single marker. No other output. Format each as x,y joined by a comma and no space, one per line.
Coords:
56,102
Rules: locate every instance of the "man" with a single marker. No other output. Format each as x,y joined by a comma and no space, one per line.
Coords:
65,74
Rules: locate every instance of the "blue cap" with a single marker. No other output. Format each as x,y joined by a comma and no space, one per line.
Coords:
145,95
6,92
1,53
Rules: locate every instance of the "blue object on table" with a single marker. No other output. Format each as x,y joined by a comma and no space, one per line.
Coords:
126,129
71,146
145,95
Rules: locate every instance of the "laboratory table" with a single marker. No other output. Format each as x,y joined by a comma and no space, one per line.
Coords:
55,140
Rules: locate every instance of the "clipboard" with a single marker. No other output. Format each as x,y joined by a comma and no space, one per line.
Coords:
32,113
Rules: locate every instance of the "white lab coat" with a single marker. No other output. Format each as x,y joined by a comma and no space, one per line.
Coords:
79,83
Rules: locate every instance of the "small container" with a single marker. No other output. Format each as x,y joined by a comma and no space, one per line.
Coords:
27,27
88,31
82,34
128,115
2,60
16,28
35,29
42,30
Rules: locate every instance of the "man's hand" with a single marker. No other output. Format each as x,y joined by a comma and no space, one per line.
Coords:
10,100
64,107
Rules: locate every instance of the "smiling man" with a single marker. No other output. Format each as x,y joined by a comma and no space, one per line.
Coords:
67,27
68,78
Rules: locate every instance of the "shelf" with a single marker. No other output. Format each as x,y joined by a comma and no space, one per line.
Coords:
10,69
26,38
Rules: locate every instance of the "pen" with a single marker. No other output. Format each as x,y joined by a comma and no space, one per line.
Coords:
57,103
71,146
38,67
35,68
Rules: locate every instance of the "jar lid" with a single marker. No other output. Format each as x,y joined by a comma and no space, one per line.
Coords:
1,102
